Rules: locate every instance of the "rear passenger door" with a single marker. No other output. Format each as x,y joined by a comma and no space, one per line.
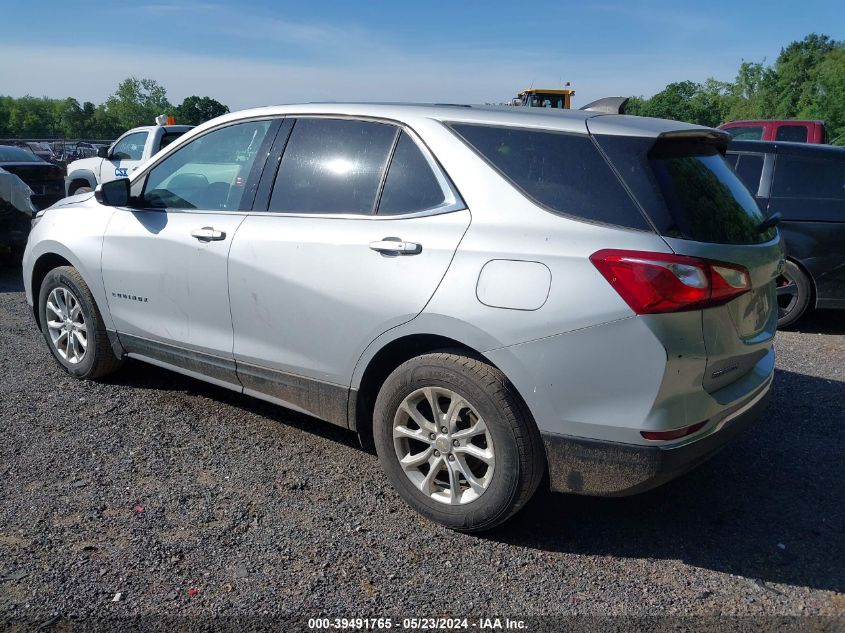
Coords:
348,238
808,190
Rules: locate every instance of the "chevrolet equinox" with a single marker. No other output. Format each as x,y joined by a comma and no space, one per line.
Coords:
489,295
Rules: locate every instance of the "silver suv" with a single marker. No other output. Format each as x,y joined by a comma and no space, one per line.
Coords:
488,295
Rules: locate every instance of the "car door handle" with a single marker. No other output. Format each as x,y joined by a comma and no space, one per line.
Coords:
208,234
396,247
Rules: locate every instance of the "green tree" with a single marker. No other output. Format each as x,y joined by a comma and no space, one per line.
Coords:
69,118
195,110
751,95
796,73
685,101
137,102
828,102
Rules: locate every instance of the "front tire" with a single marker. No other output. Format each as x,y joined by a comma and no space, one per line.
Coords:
456,441
793,293
73,326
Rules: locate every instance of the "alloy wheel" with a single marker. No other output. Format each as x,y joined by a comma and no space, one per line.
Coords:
443,446
66,325
787,294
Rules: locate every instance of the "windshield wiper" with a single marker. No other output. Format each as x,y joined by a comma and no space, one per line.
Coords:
769,222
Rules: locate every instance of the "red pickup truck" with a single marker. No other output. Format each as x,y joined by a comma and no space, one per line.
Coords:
776,130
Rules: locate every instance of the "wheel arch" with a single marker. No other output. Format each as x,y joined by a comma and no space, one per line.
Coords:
43,265
51,255
80,175
385,354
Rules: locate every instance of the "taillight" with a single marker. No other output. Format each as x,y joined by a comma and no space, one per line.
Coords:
653,283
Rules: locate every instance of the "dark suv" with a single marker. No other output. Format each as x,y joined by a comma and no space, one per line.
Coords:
806,185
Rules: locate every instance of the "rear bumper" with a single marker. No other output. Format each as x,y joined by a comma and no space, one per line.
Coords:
609,469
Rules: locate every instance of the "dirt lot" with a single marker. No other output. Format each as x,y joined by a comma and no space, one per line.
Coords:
155,494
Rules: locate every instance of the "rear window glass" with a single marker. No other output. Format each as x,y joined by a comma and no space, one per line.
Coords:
562,172
795,133
704,197
746,132
10,154
809,177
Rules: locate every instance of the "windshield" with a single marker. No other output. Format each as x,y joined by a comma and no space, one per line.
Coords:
10,154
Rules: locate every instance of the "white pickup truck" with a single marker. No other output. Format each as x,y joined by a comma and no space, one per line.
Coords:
119,160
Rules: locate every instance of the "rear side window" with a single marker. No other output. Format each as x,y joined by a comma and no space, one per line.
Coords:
809,177
332,166
167,138
410,184
746,132
794,133
749,169
703,196
564,173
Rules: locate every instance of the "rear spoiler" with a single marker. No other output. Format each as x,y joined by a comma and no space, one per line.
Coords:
687,142
607,105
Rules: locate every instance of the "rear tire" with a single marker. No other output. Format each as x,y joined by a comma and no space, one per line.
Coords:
794,292
477,461
73,326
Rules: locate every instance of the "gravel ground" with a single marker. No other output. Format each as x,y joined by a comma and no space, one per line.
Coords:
154,494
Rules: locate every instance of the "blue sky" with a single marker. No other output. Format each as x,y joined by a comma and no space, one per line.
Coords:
257,52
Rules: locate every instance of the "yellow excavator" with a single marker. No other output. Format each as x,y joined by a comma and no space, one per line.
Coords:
561,99
545,98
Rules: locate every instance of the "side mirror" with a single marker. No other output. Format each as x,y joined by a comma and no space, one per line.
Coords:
114,193
102,152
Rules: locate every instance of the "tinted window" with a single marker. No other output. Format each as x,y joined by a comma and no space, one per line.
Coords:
809,177
704,197
796,133
562,172
332,166
732,159
10,154
410,184
209,172
749,170
746,132
167,138
130,147
545,101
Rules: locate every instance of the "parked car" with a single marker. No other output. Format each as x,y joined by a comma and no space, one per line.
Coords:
45,179
792,130
489,294
121,158
805,184
40,149
27,183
